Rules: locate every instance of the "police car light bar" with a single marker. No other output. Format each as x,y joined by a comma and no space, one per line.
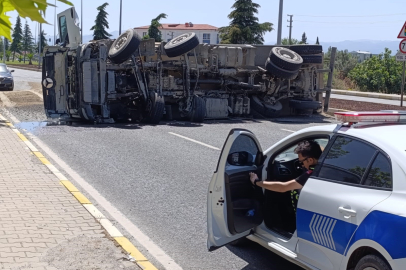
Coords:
378,116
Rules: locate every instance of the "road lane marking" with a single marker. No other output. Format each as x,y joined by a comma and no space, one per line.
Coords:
140,260
115,214
189,139
288,130
38,94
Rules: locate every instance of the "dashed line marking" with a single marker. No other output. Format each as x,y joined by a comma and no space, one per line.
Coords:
140,259
288,130
189,139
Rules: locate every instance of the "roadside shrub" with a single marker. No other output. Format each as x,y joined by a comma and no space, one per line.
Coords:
378,74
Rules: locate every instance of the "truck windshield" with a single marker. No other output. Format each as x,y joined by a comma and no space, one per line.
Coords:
62,28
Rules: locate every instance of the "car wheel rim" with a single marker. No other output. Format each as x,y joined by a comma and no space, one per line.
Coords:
121,41
180,38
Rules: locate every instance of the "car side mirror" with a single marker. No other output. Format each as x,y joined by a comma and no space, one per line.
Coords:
12,70
58,41
242,158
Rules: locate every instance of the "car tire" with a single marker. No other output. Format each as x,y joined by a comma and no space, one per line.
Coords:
300,104
285,58
307,49
124,46
312,59
261,109
181,44
156,113
198,110
372,262
280,72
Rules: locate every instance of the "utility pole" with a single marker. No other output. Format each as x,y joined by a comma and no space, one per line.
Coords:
290,29
4,50
81,22
55,24
121,9
280,22
40,41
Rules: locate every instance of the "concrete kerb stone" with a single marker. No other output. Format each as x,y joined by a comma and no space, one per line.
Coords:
26,68
367,94
112,231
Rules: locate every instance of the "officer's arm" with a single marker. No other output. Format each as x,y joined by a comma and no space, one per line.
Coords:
280,186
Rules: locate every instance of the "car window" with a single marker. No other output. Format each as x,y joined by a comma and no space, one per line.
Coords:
63,28
244,143
347,160
290,154
380,174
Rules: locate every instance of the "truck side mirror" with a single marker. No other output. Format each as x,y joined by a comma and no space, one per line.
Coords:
58,41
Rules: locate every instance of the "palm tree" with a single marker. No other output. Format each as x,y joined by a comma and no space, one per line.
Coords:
30,56
153,30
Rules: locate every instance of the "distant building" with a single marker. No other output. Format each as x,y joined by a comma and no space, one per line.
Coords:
206,33
362,55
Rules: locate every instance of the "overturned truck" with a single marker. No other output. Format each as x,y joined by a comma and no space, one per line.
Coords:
128,78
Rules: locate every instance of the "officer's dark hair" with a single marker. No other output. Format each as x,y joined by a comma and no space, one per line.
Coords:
309,149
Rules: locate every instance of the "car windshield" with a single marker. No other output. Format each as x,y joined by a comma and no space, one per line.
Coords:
63,28
3,69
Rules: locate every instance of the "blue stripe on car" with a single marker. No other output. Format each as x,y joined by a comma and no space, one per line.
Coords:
323,230
386,229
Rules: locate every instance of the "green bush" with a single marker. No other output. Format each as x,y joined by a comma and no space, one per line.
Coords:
378,74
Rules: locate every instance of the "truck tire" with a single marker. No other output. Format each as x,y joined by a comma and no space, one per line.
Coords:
312,59
307,49
264,109
280,72
124,46
156,113
181,44
285,58
198,110
372,262
300,104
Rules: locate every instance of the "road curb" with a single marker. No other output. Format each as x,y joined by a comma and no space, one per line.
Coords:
26,68
367,94
114,233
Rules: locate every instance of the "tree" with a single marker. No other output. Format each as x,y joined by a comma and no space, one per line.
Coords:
101,24
28,40
244,27
304,39
293,41
30,56
153,30
7,43
43,40
32,9
379,74
17,37
317,41
8,55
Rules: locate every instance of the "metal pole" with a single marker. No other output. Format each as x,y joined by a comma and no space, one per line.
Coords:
290,29
55,24
121,9
330,79
403,85
280,22
81,22
4,50
40,49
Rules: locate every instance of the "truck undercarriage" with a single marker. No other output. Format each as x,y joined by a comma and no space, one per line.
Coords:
132,79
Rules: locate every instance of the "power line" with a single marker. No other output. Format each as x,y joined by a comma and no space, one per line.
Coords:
354,16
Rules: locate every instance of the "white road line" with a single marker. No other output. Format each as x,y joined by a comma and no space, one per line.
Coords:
288,130
7,112
189,139
38,94
131,228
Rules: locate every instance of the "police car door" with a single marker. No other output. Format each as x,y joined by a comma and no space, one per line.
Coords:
233,204
336,199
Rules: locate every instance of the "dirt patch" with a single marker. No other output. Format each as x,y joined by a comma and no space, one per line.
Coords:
351,105
24,98
87,253
35,86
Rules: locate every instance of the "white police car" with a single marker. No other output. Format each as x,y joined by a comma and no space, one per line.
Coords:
351,213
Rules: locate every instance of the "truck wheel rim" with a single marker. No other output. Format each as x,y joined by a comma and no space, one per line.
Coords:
180,38
121,41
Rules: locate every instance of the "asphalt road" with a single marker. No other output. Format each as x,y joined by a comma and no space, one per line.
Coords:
158,180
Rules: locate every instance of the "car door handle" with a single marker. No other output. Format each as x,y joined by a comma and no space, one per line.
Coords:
348,213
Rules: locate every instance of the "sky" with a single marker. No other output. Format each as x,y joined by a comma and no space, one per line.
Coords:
327,19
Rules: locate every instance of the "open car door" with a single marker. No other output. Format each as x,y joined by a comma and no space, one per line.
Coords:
234,205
